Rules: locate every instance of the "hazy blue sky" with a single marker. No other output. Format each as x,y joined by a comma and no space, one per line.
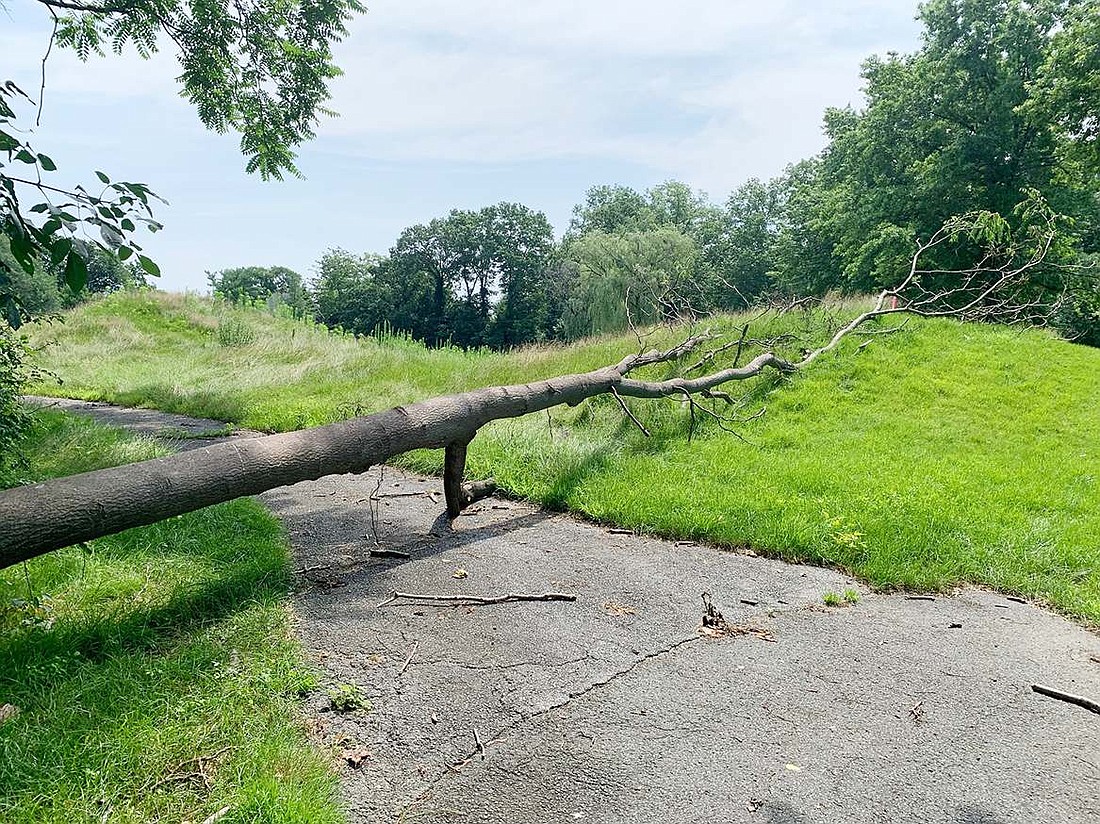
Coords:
447,104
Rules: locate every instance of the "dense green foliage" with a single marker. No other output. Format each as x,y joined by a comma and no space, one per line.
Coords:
274,286
970,121
942,454
260,69
130,659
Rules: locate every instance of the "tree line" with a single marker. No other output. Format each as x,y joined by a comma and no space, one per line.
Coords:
996,108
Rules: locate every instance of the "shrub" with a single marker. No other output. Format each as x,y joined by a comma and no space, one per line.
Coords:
233,332
15,372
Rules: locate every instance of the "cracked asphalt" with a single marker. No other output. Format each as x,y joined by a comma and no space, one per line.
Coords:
616,707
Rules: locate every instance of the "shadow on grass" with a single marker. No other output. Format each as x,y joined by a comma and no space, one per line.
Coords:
147,591
131,675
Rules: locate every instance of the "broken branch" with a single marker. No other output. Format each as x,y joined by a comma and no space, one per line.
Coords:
1068,697
475,599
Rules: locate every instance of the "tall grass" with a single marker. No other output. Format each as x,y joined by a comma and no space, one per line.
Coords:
940,455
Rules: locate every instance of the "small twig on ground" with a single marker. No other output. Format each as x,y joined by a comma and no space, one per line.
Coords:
478,744
477,599
1068,697
408,660
200,761
371,506
389,553
920,598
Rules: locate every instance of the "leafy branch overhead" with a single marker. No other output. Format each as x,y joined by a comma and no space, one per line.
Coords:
251,66
258,68
65,226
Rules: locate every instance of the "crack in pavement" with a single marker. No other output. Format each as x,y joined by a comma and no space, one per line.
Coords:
447,662
481,746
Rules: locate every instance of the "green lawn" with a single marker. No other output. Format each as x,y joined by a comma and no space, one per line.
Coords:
132,660
942,455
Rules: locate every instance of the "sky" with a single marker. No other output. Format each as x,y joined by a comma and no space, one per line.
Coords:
448,105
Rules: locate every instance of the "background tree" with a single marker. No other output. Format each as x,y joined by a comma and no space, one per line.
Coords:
630,278
273,286
967,122
520,245
353,292
474,278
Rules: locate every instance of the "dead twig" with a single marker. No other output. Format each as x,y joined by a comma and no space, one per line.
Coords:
219,815
629,414
408,660
375,516
178,774
389,553
1068,697
476,599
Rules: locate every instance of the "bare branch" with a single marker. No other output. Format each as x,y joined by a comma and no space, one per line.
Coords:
629,414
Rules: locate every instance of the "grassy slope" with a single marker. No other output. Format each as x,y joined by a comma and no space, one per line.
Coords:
943,454
160,645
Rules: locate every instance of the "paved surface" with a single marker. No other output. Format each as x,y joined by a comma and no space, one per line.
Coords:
617,708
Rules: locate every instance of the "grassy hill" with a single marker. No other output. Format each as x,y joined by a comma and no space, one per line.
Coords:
940,455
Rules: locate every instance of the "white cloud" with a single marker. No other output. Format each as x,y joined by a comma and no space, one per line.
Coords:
708,90
636,27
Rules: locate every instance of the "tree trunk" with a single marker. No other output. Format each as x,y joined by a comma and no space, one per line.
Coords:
42,517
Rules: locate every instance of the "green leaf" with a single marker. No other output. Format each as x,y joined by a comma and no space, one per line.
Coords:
103,178
124,252
46,163
58,249
148,265
25,156
76,272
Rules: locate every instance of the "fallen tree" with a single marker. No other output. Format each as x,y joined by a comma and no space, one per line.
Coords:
42,517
